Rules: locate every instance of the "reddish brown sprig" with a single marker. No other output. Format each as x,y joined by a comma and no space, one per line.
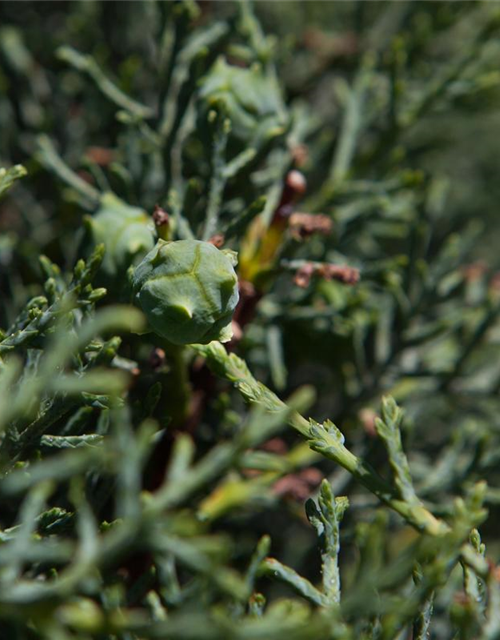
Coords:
341,273
303,225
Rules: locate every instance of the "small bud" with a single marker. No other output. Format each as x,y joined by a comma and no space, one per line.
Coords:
35,313
79,269
303,276
296,182
97,294
217,240
50,288
294,188
160,216
162,223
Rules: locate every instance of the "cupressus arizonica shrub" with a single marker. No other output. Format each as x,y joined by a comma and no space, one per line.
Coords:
210,233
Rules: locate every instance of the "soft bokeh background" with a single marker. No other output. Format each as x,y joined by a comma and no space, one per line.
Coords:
398,105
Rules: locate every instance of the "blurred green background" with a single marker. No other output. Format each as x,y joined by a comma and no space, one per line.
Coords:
414,207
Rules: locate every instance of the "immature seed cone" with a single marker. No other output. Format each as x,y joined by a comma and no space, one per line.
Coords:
188,291
127,233
252,98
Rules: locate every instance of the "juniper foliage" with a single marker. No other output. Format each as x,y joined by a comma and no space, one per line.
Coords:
152,490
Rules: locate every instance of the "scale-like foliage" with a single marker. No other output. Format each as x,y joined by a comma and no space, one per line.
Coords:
154,488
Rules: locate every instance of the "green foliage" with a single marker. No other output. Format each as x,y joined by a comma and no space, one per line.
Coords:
154,484
9,176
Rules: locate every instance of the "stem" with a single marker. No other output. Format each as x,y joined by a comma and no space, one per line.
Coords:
179,396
